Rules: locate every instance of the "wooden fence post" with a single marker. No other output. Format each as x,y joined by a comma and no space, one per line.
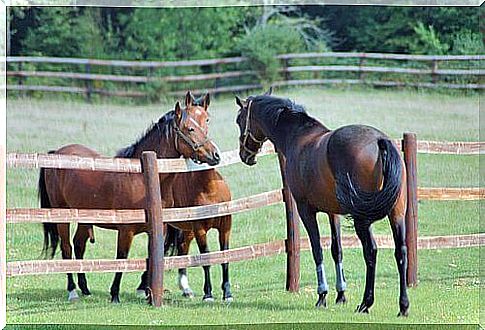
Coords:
292,234
434,68
153,213
409,147
88,83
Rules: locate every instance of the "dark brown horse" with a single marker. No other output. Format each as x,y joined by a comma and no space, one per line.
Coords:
354,170
179,133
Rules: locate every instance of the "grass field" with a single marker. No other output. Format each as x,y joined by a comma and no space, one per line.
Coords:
449,286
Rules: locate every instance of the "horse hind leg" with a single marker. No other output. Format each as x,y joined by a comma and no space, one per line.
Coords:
336,248
369,246
224,234
397,222
66,249
80,239
183,250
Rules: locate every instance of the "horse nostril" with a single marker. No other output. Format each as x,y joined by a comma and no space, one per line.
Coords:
216,156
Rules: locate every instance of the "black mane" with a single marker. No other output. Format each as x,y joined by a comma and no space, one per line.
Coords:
163,128
280,111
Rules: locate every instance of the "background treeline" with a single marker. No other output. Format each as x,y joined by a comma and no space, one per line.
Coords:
195,33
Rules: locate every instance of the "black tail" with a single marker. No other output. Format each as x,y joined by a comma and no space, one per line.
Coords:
51,236
173,240
376,205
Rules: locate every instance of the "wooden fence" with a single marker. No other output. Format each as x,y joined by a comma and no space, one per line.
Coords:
155,215
218,78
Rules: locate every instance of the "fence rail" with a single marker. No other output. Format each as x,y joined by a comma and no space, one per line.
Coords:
35,160
39,267
234,80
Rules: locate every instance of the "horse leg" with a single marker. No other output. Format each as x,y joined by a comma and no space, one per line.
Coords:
66,248
399,233
336,248
364,232
308,216
224,233
141,289
80,239
125,238
201,237
183,250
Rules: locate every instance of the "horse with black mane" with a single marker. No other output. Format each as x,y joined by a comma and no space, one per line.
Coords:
354,170
179,133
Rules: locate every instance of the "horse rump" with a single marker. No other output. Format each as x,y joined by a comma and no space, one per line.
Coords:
374,205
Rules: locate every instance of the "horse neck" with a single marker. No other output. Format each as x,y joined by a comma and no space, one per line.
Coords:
163,145
286,134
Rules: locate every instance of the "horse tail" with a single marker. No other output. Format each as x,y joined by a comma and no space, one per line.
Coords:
372,206
173,240
51,235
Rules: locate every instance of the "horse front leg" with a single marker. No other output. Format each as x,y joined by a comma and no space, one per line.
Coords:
224,234
201,237
80,239
308,216
336,248
183,250
125,238
66,248
364,232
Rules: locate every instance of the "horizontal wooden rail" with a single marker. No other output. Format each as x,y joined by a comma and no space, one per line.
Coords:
444,194
138,216
128,78
381,56
35,160
125,165
39,267
379,69
122,63
375,83
200,212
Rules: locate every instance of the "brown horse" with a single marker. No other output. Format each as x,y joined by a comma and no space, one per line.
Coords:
354,170
195,189
179,133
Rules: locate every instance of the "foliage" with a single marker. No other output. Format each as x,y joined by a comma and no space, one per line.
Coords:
468,43
263,43
427,41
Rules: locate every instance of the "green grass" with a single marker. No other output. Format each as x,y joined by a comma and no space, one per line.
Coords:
448,291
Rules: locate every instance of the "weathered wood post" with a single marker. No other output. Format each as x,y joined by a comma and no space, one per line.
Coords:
88,82
292,234
434,68
409,147
153,212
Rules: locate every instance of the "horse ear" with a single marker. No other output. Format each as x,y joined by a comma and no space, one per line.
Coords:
206,101
239,102
270,91
178,110
189,99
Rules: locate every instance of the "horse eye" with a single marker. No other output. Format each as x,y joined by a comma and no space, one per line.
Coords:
207,120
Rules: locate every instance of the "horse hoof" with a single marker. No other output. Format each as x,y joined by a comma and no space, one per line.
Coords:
85,292
322,301
141,294
362,308
187,293
115,300
208,299
73,296
228,299
404,313
341,298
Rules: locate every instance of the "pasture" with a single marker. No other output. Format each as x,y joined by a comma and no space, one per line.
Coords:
448,291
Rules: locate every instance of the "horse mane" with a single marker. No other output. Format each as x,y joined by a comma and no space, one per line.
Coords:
163,128
277,110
